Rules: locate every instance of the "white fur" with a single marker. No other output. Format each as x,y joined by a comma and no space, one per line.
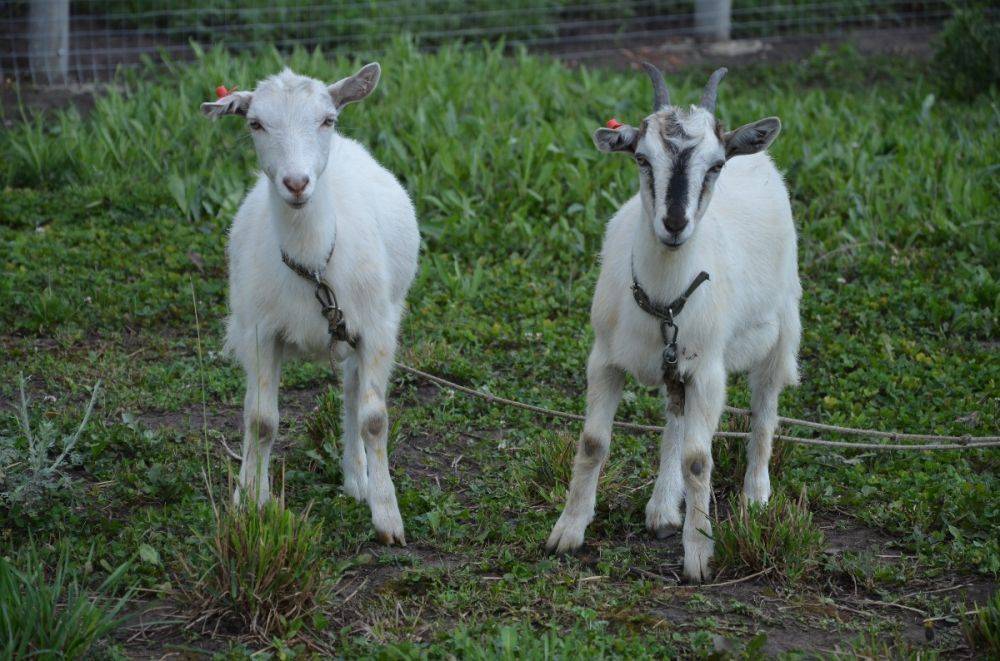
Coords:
352,200
745,318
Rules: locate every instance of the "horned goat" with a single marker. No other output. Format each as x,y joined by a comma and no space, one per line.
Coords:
707,250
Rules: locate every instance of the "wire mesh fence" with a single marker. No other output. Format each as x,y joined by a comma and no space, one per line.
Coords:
59,41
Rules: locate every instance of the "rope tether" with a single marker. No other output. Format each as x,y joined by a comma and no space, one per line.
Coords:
953,442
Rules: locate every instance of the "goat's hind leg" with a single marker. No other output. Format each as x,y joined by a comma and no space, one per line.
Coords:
767,379
352,460
764,391
604,391
260,420
663,511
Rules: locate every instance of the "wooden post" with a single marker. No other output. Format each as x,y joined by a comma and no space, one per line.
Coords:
48,40
712,19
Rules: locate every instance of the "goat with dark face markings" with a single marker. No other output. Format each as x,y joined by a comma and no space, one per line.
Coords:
710,201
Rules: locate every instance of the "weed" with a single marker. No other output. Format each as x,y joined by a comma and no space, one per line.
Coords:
323,424
261,567
28,470
872,646
508,642
54,618
549,468
982,628
730,456
779,537
869,572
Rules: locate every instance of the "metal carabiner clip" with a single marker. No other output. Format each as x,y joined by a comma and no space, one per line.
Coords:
670,339
666,325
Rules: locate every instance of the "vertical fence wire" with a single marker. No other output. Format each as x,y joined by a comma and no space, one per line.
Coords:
105,35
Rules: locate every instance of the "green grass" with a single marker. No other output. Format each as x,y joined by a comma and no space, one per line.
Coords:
982,628
778,538
55,617
113,228
262,567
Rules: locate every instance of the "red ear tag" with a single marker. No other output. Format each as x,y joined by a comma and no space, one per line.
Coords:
221,91
614,124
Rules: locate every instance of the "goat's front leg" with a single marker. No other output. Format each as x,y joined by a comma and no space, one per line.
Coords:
353,463
260,420
376,352
764,391
705,396
604,392
663,511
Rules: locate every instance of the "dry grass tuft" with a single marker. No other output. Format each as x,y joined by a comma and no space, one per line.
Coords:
261,569
779,537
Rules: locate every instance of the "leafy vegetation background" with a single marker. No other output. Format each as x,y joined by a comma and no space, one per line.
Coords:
365,23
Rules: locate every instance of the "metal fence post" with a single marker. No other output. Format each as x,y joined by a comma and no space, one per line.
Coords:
712,19
48,40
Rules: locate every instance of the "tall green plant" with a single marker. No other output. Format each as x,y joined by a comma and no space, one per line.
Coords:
261,567
982,628
57,618
779,538
33,466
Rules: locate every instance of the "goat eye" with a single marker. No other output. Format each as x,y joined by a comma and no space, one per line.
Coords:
641,161
716,168
328,122
255,125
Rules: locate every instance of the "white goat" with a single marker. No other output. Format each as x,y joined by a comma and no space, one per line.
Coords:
745,318
326,208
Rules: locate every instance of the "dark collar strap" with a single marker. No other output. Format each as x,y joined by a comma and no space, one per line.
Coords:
665,312
329,307
314,277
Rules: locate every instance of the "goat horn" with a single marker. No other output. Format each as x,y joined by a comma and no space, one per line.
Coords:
661,96
712,89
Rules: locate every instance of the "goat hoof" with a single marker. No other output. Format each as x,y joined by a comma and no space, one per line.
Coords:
663,520
388,524
696,564
757,492
387,538
566,537
557,552
666,531
356,488
556,549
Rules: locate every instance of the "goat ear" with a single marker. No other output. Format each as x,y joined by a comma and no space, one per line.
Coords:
623,138
356,87
236,103
751,138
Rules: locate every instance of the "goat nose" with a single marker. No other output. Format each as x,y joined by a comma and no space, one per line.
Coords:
296,184
675,223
